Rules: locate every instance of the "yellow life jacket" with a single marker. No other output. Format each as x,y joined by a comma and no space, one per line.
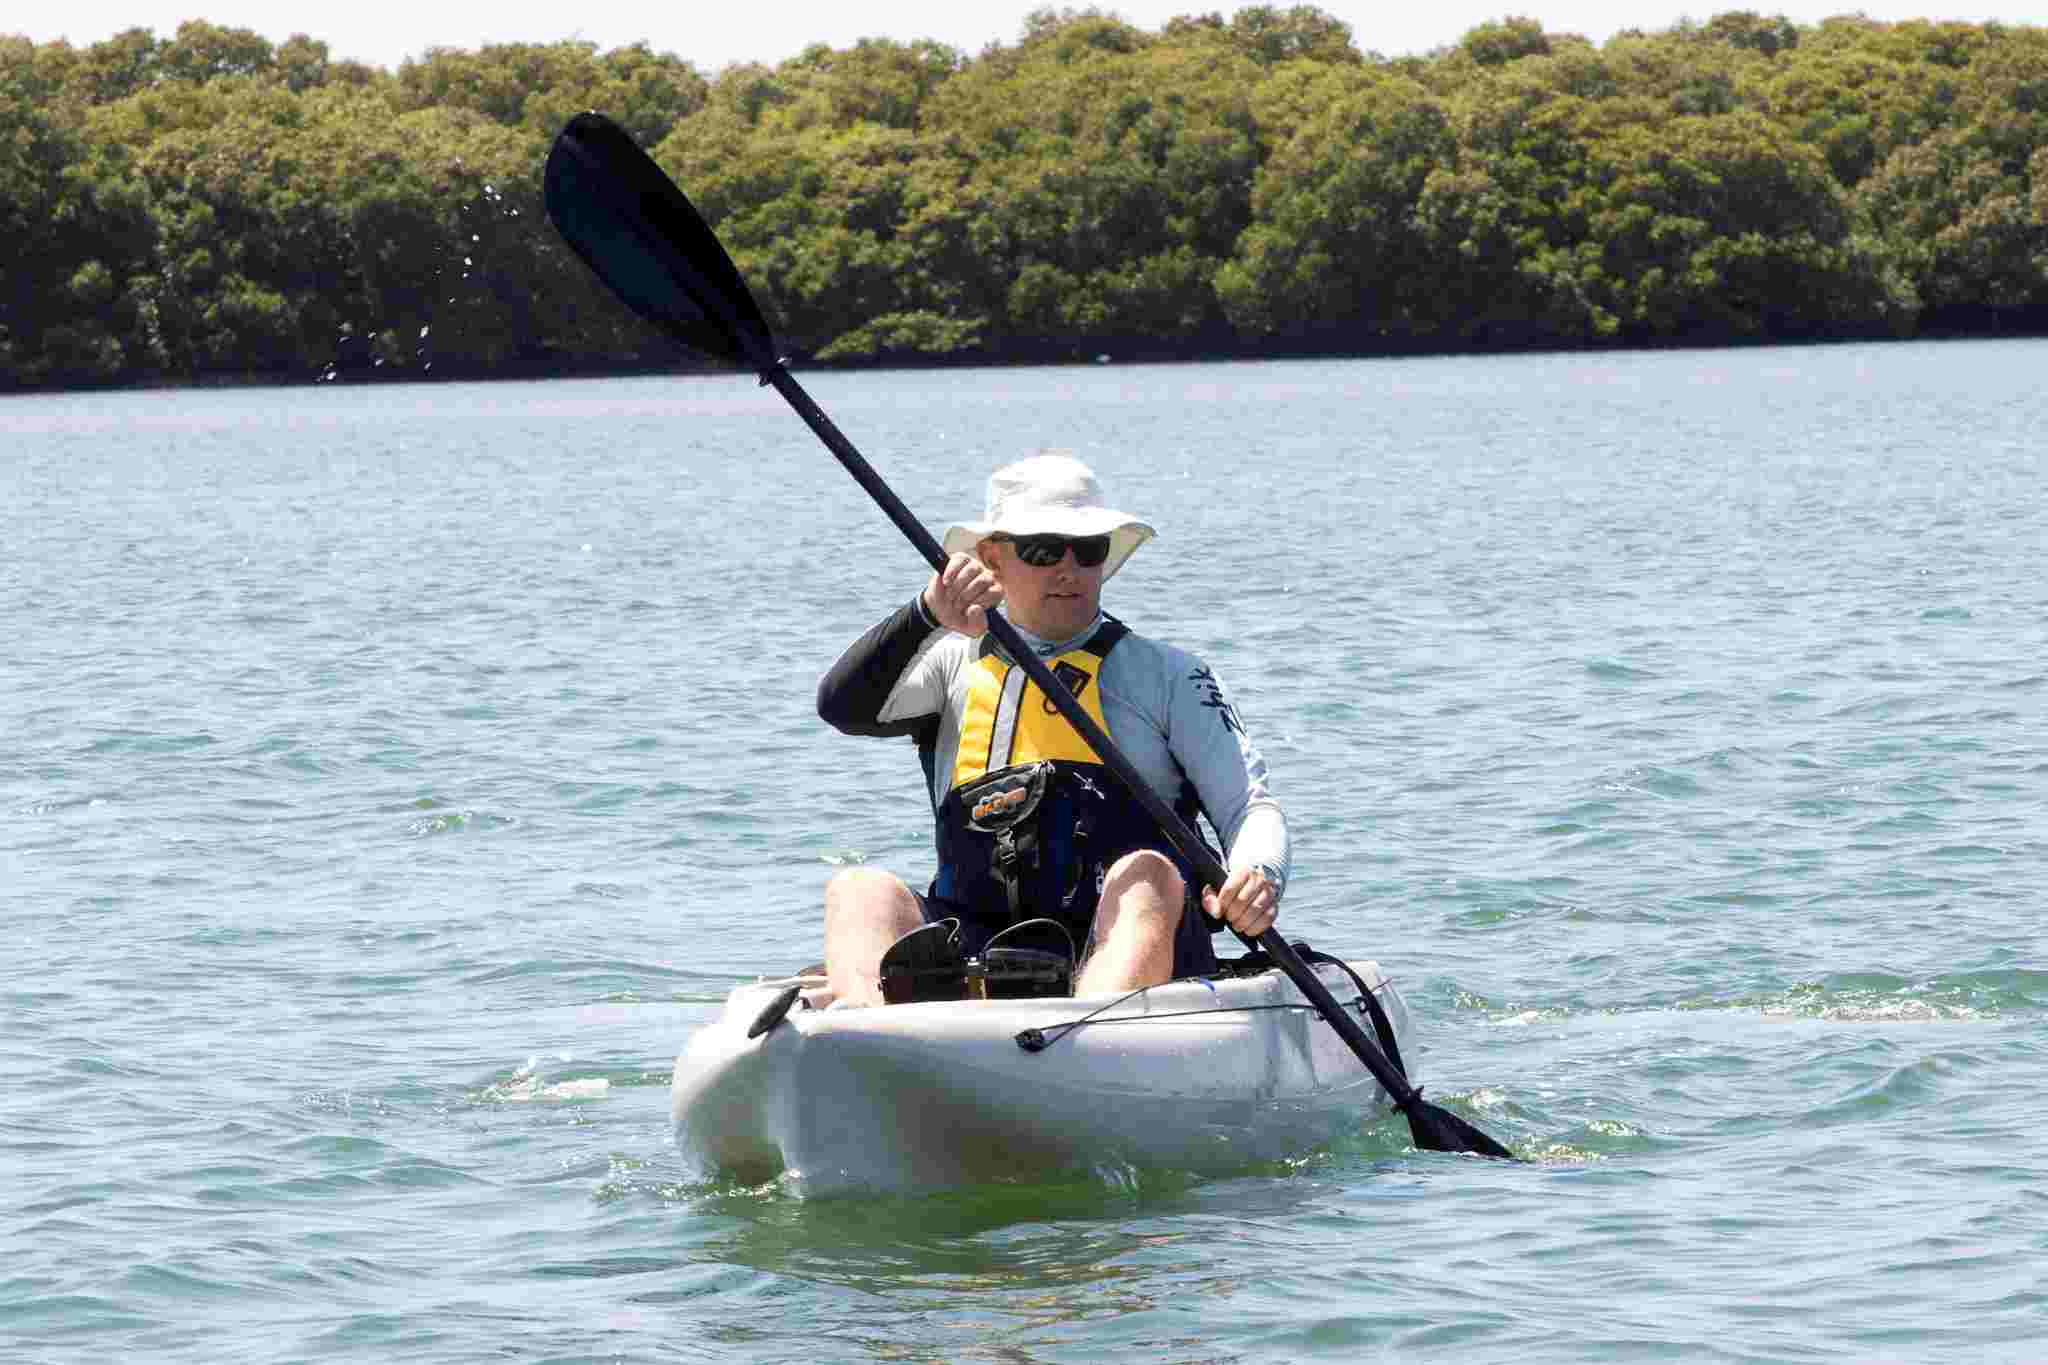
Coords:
1008,721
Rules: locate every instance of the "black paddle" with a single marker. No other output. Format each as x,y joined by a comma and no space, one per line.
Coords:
630,223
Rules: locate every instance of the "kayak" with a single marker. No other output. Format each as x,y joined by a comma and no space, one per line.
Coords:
1202,1073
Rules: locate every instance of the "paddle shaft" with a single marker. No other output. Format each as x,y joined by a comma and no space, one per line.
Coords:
1169,821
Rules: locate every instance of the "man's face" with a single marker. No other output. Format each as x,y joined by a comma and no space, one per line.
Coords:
1052,602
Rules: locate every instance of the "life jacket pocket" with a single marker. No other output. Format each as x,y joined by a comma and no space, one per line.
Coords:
1005,798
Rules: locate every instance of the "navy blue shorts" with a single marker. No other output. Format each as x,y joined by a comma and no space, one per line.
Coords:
1194,954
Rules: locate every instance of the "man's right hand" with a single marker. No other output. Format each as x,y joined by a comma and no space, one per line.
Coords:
959,596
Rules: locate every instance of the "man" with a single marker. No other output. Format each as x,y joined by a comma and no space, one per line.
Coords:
1029,822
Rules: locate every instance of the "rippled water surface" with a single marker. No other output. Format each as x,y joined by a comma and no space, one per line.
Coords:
391,779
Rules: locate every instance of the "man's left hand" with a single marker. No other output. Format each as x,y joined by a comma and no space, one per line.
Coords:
1246,903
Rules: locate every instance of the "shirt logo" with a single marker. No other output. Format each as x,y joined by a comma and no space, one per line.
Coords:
1213,698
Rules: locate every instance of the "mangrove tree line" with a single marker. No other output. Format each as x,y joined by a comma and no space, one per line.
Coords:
212,204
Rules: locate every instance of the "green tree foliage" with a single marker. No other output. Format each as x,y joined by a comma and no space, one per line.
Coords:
1336,246
204,52
1270,36
124,65
537,87
1096,183
1767,34
1962,209
62,316
1497,44
210,203
1717,225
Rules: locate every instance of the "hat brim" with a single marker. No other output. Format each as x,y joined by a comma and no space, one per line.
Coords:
1125,533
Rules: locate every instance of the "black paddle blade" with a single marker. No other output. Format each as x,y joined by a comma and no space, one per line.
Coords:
1436,1129
628,221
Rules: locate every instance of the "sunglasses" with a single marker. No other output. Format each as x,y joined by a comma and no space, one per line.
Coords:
1044,551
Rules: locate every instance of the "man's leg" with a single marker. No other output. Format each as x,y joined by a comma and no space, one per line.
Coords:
866,910
1142,900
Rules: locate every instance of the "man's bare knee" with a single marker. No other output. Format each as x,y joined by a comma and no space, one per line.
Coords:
866,909
1135,924
1141,895
861,881
859,892
1144,875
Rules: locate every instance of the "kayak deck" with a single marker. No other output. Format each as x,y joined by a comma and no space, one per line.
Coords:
1201,1073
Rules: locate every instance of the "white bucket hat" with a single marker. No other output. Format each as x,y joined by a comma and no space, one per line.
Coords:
1051,494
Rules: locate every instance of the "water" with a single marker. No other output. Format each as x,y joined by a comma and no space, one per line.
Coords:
392,778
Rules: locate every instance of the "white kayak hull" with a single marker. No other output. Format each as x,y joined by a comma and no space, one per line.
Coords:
1191,1074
